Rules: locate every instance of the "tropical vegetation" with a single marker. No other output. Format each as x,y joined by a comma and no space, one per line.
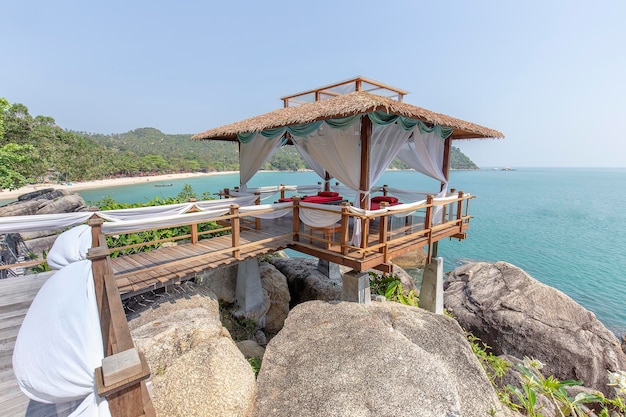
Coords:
36,150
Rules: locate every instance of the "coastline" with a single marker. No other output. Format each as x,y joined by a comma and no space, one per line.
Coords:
108,182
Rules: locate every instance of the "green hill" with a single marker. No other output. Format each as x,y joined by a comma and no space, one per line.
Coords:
180,150
35,148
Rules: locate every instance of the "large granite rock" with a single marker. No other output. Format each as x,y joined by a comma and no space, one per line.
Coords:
382,359
44,202
519,316
197,370
305,281
275,285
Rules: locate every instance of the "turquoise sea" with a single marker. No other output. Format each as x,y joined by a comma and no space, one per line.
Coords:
564,226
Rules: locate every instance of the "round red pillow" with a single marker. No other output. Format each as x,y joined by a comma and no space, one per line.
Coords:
327,194
386,198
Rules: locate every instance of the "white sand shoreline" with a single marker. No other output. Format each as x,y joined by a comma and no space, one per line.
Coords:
109,182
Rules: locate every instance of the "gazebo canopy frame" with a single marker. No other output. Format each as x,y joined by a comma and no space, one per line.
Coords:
354,97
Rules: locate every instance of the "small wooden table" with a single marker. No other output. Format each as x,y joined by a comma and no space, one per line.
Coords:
327,232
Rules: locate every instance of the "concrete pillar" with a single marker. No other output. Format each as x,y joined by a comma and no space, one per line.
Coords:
431,292
330,269
248,291
356,288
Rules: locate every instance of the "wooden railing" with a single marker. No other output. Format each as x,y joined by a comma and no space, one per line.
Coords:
421,227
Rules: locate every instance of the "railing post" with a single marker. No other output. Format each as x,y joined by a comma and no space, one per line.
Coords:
226,193
385,190
428,225
365,223
193,228
383,228
282,190
96,230
257,202
235,225
345,226
296,219
459,211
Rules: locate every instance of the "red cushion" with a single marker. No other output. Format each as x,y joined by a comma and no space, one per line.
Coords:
387,198
376,206
319,199
285,200
327,194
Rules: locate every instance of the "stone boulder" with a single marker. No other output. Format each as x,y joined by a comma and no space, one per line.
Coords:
382,359
197,369
519,316
221,281
305,281
275,285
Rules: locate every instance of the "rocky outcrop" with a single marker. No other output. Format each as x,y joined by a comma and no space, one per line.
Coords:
44,202
383,359
305,282
197,369
275,285
519,316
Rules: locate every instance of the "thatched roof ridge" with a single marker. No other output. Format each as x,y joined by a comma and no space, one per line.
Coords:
346,105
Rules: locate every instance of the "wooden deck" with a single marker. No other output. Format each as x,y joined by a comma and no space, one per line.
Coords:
169,265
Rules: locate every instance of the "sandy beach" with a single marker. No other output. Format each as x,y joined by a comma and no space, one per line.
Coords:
90,185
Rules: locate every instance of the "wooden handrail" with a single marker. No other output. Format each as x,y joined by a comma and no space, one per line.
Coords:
128,397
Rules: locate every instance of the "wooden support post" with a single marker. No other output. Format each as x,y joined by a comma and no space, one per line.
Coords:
446,160
326,181
235,226
193,228
257,202
282,190
459,211
365,233
296,219
428,225
364,182
345,226
383,229
226,193
96,230
130,400
385,189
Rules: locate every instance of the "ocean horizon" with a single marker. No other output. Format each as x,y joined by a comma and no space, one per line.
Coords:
560,225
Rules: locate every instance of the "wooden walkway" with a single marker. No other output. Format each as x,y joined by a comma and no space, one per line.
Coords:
169,265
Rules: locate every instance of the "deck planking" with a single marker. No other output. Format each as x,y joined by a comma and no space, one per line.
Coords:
16,295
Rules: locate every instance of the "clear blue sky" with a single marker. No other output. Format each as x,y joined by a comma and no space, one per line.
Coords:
551,75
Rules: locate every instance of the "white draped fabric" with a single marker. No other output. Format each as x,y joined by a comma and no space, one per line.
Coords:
136,216
329,215
253,154
125,226
312,163
277,210
20,224
59,344
387,141
337,150
424,153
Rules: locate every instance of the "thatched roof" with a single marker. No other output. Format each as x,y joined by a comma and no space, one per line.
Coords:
346,105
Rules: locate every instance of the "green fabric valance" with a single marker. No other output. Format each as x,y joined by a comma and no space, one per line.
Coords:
377,118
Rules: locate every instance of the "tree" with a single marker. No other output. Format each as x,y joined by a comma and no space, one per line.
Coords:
12,158
4,104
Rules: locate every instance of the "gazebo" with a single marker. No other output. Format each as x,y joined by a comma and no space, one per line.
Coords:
351,131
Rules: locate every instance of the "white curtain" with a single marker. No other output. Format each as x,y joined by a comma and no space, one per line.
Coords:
387,141
337,150
319,218
424,153
254,153
313,164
